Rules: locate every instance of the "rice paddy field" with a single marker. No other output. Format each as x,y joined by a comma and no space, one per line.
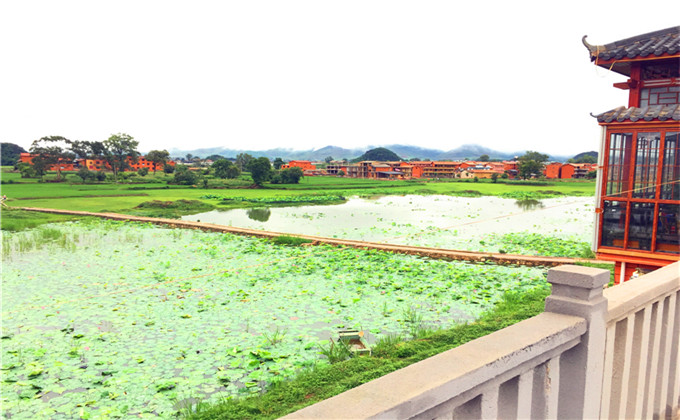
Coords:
106,319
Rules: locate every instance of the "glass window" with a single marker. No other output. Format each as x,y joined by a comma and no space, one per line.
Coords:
670,174
617,167
613,223
641,226
668,230
646,162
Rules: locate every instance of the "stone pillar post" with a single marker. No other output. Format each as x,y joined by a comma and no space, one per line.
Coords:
577,291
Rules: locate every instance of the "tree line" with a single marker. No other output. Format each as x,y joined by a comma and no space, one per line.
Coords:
119,150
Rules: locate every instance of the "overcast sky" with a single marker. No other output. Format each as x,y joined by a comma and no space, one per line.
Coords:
509,75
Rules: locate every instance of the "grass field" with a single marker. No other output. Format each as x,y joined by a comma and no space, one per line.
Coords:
124,197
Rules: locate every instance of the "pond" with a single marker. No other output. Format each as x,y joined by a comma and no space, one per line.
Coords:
107,318
466,223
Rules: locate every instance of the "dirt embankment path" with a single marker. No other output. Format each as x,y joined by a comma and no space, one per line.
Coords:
505,259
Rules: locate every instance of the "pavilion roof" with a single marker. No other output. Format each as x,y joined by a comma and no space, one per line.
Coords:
649,113
652,44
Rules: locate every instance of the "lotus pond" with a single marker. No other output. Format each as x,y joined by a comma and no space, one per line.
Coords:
109,319
553,226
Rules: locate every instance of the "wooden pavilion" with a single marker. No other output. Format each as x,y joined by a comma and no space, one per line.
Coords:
638,195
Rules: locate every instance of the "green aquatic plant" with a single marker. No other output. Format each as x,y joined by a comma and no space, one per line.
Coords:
182,306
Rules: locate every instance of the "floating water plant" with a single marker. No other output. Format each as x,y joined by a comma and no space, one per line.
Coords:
162,315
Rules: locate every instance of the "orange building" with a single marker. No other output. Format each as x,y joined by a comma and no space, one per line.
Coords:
638,199
305,165
441,169
552,170
411,170
62,166
510,168
98,164
576,170
142,162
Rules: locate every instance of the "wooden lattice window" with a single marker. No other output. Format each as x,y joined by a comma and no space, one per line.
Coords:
618,168
670,174
646,163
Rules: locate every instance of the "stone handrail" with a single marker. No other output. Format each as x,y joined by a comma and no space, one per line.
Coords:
584,357
641,369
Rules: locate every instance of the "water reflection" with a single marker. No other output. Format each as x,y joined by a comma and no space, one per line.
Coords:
529,204
259,214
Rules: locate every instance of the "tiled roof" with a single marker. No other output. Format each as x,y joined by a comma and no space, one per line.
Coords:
651,44
656,112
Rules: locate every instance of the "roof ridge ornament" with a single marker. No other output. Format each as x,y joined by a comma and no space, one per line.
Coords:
591,48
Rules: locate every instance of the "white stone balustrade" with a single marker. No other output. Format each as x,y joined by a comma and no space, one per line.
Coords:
591,354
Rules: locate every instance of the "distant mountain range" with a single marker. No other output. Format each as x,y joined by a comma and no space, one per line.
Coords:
466,151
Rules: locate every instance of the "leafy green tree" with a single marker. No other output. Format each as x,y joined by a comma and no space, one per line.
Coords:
483,158
119,149
85,174
168,169
10,153
531,164
328,159
233,172
27,170
242,160
291,175
260,170
158,157
183,176
51,151
221,168
494,177
83,149
278,162
143,171
101,176
341,173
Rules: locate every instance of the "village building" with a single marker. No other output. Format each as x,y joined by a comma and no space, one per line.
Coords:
441,169
511,167
335,168
98,164
576,170
305,165
63,165
638,196
552,170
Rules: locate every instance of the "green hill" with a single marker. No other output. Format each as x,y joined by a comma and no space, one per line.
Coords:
380,154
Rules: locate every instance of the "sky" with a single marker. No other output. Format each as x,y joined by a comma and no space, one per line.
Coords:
258,74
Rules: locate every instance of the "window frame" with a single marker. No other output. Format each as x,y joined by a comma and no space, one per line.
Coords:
631,160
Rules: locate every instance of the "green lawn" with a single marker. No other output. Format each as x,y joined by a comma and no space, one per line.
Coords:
124,197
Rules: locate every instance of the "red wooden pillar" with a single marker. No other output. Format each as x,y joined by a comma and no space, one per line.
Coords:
635,84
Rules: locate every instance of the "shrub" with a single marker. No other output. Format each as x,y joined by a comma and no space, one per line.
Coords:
290,240
183,176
